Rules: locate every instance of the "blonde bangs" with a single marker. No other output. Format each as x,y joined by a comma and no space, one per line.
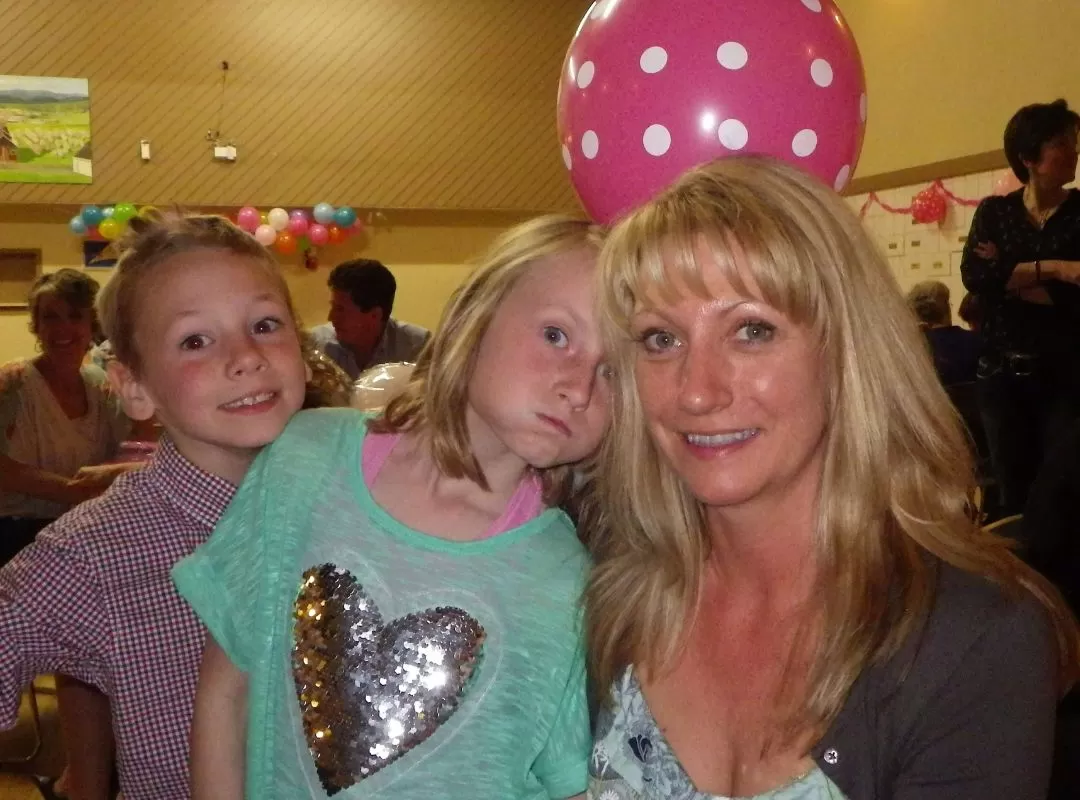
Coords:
758,247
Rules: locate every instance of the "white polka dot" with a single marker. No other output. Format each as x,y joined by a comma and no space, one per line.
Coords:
842,177
862,106
566,156
733,134
590,144
813,5
804,143
657,140
653,59
586,72
732,55
821,72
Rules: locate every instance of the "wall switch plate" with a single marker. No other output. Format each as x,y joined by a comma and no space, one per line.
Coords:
144,149
920,242
894,245
224,153
938,266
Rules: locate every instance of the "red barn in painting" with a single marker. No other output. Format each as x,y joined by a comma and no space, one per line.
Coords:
7,145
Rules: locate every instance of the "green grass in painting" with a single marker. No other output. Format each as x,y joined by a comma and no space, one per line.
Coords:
10,176
47,136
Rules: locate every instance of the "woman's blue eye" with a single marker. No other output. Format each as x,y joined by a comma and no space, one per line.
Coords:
657,341
756,331
556,336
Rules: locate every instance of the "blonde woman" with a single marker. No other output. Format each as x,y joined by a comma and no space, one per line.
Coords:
789,600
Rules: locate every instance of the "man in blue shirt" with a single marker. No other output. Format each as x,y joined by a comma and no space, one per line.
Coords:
361,333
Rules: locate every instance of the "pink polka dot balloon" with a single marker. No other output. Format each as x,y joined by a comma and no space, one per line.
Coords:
651,88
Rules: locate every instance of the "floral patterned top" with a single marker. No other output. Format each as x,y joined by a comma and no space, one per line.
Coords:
632,761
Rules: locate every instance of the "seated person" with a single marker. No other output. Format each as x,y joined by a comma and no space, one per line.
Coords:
57,415
970,312
361,333
955,350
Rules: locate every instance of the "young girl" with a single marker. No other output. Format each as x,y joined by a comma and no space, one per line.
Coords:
394,605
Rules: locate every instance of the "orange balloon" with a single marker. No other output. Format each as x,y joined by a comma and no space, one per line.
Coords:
285,243
337,236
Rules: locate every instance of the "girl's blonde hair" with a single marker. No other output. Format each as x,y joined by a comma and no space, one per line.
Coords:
152,239
897,474
436,397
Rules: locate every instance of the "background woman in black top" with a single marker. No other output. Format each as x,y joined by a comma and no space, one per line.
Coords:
1022,260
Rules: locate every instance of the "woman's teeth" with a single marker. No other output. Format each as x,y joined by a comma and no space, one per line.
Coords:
720,439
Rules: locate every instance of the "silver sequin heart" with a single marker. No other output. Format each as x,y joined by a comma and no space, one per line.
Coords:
371,691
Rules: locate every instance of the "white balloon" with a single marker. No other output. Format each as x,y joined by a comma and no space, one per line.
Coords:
265,235
379,385
278,218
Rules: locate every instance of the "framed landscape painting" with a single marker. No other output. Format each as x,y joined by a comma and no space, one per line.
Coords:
45,130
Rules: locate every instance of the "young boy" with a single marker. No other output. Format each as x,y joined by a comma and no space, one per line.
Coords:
205,339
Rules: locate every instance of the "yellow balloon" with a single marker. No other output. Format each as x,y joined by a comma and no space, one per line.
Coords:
146,211
110,228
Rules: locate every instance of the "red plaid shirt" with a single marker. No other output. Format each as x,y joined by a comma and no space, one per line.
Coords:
92,598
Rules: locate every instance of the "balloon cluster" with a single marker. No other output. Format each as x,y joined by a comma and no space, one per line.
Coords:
290,231
286,231
99,223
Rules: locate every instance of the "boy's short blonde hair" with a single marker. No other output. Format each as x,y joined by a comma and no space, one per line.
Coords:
152,240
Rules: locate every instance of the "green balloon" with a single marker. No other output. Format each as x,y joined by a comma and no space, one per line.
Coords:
122,212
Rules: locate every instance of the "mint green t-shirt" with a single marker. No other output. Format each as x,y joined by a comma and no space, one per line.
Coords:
520,728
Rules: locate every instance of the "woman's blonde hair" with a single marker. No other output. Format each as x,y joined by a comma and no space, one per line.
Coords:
436,397
152,240
897,474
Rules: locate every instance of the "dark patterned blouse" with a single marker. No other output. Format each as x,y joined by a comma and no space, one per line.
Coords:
1011,324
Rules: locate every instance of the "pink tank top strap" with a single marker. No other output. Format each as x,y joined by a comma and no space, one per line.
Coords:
526,503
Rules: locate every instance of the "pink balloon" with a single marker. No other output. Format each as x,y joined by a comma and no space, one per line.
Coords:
265,235
298,213
298,226
651,88
318,235
248,218
1007,183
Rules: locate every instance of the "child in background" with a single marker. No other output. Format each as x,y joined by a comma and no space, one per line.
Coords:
204,335
394,603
